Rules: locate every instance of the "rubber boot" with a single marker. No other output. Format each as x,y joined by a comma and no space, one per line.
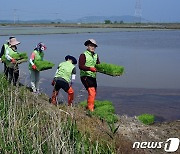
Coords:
54,97
91,98
33,87
70,96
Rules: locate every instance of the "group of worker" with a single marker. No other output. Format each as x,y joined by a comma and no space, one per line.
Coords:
65,74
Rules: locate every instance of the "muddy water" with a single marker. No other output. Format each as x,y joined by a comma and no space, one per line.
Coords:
151,60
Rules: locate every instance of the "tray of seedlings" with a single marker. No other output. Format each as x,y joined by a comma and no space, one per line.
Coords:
43,65
110,69
20,57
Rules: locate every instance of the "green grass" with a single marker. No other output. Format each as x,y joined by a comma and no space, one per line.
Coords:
29,124
103,110
110,69
43,65
146,119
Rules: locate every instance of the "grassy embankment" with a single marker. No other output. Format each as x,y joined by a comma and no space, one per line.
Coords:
29,124
102,25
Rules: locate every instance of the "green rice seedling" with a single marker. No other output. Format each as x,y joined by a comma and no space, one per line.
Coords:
110,69
102,103
106,113
104,110
43,65
147,119
83,103
17,56
97,103
20,57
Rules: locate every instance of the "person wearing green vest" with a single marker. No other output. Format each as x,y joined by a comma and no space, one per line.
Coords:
3,49
12,66
64,78
87,62
37,55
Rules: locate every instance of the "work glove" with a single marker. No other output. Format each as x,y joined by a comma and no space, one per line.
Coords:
92,69
34,67
53,82
13,60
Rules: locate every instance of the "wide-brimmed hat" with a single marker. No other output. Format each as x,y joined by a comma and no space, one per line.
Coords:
74,61
91,41
12,41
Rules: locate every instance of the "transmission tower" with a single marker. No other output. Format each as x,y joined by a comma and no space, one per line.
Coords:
15,15
138,11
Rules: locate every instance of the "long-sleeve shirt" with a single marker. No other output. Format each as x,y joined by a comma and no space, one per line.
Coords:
82,61
32,58
2,51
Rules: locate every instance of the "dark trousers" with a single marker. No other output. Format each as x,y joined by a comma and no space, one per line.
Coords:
6,71
13,75
89,82
61,84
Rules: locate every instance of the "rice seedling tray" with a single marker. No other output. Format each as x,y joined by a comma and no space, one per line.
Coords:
110,69
19,57
43,65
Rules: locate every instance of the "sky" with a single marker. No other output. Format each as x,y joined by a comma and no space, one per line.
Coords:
151,10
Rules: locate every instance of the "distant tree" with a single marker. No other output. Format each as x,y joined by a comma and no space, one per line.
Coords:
107,22
115,22
121,22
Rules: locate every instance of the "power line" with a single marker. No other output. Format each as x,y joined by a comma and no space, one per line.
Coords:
138,10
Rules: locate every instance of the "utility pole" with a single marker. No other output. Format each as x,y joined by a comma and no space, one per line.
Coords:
138,11
14,13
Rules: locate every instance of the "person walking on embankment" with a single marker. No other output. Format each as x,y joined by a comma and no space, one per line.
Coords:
37,55
3,49
64,78
12,68
87,62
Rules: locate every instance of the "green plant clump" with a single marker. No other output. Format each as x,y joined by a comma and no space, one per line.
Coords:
147,119
110,69
104,110
43,65
17,56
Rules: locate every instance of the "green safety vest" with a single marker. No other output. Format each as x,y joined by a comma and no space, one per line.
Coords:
5,47
91,61
65,70
38,57
3,56
11,53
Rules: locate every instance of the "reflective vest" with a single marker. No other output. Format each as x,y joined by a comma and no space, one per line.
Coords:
4,53
65,70
38,57
5,47
91,60
11,53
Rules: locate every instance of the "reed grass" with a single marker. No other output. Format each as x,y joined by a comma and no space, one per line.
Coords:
29,124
